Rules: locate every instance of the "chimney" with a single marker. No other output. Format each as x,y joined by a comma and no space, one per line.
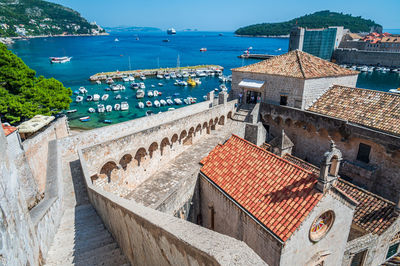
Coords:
329,168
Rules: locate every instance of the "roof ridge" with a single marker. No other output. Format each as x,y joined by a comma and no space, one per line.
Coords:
363,89
300,64
274,155
366,191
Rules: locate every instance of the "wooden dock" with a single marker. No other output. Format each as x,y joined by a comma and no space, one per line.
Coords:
256,56
153,72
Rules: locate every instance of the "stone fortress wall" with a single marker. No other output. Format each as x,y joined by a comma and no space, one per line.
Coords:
373,58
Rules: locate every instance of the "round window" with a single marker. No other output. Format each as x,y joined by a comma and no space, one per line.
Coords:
321,226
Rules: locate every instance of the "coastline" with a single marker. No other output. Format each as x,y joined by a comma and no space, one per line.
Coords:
58,35
265,36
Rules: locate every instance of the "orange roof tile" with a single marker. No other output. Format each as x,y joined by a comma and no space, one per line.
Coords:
8,129
370,108
275,191
297,64
373,213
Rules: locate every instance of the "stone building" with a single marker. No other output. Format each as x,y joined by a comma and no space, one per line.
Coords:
286,213
294,79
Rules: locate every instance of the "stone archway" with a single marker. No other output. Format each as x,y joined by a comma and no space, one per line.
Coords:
229,115
211,124
189,139
206,127
107,169
153,148
125,160
164,144
140,156
183,135
221,120
197,130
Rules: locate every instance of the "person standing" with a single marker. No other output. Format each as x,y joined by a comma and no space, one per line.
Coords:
240,97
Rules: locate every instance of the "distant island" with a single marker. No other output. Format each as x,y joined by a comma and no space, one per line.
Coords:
40,18
321,19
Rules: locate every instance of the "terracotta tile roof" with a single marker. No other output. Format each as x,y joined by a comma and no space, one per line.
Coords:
373,109
374,214
266,146
276,192
8,129
297,64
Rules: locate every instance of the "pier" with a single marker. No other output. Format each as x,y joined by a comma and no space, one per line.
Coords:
153,72
256,56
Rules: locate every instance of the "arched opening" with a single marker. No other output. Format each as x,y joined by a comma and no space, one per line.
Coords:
198,129
206,127
299,124
108,168
278,120
153,147
229,115
288,122
189,139
211,124
221,120
140,155
164,143
216,121
125,160
174,139
334,167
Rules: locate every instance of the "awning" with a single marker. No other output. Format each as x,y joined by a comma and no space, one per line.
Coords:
251,83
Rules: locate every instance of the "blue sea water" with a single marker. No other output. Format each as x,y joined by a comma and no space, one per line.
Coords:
91,55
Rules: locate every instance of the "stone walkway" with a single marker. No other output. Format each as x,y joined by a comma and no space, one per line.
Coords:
159,186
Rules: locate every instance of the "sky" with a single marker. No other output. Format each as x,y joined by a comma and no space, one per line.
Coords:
224,15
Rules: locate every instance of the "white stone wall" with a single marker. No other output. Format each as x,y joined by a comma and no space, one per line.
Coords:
274,87
315,88
299,250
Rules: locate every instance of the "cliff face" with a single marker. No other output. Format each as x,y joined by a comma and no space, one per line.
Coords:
37,17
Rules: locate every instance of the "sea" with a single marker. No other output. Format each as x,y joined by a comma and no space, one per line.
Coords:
129,50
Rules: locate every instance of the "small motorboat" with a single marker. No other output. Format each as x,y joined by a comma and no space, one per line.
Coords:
131,77
205,97
191,82
179,75
89,98
173,75
223,87
139,94
109,81
178,101
91,110
98,82
78,99
96,97
107,89
124,106
149,113
197,80
159,76
76,92
108,108
125,79
118,97
100,108
85,118
60,60
167,76
155,93
395,90
117,107
149,104
142,86
163,102
187,101
107,121
105,97
141,105
142,77
160,84
153,86
135,86
203,49
71,111
185,74
116,40
150,94
83,90
170,102
157,103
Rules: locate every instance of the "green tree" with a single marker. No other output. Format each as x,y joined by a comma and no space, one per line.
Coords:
23,95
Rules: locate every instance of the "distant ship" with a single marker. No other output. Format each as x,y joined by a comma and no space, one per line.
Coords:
171,31
60,60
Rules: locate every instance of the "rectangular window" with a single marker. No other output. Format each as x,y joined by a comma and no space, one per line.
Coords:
358,259
392,250
283,100
363,153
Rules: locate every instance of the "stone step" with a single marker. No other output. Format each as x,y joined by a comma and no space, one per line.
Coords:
65,238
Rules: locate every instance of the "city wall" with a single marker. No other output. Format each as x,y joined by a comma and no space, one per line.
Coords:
373,58
149,237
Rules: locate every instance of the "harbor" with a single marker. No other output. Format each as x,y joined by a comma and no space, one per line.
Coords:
154,72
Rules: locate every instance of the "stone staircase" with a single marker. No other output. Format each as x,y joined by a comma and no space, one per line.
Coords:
82,238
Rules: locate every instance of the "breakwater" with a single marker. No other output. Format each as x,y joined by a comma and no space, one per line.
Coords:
153,72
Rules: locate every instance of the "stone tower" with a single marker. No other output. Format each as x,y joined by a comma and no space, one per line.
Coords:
329,168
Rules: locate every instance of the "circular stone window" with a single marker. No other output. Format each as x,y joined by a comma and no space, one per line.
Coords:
321,226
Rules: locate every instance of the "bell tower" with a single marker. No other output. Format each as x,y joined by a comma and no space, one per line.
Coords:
330,165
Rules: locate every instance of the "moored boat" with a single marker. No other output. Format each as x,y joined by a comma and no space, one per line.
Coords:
150,94
100,108
117,107
157,103
395,90
85,119
60,60
71,111
170,102
83,90
78,99
155,93
149,113
107,121
142,86
124,106
142,77
89,98
203,49
149,104
96,97
178,101
139,94
163,102
105,97
118,97
108,108
171,31
141,105
91,110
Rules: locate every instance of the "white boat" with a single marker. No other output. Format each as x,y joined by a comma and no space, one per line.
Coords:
167,76
223,87
78,99
142,86
140,105
163,102
117,107
150,94
173,75
98,82
83,90
116,40
105,97
179,75
185,74
91,110
170,102
178,101
364,69
201,74
142,77
171,31
371,69
139,94
205,98
124,106
187,101
171,109
218,72
125,79
149,104
153,86
197,80
60,60
160,84
395,90
131,77
155,93
159,76
100,108
157,103
96,97
109,81
108,108
223,79
135,86
118,97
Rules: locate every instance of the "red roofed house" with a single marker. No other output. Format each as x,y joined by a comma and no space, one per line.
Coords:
287,214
